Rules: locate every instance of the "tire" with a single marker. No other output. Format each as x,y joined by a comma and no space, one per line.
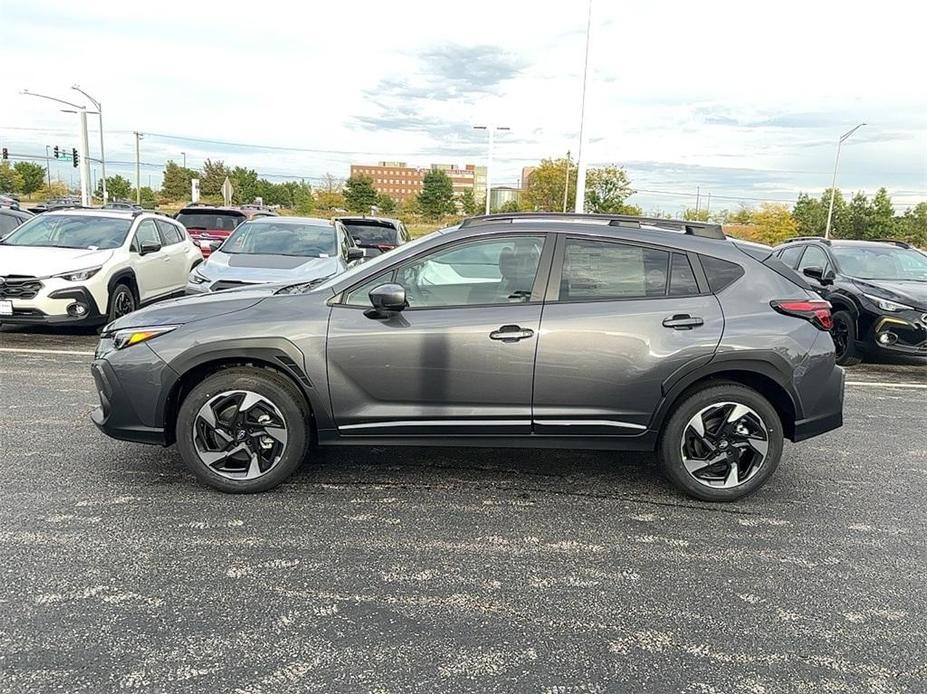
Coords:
268,397
120,298
844,336
711,404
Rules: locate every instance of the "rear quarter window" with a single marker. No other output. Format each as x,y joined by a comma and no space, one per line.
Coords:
720,273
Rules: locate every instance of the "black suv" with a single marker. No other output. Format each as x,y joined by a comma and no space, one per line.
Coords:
878,291
528,331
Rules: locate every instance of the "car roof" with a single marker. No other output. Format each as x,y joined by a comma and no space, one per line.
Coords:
313,221
100,212
859,243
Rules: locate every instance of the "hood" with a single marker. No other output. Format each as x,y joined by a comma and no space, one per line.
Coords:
194,308
243,267
910,292
43,261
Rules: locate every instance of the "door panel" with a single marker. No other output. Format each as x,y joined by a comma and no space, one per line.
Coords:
601,365
432,371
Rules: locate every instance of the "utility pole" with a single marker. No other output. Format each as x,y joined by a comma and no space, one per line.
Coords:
580,206
138,188
492,129
47,167
184,155
708,204
833,183
566,186
99,108
698,192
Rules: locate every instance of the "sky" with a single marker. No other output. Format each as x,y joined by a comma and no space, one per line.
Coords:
740,100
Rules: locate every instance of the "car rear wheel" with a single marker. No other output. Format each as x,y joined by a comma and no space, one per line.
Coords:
844,335
721,443
243,429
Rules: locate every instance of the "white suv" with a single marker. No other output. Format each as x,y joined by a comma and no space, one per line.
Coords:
91,266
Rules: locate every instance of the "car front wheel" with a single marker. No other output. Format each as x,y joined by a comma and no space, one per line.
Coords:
243,429
721,443
843,334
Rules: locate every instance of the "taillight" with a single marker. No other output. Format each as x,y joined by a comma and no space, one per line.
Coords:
817,311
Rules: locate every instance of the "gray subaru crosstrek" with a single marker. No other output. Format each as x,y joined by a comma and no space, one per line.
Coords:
538,330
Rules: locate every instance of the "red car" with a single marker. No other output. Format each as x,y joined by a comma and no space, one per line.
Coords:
209,225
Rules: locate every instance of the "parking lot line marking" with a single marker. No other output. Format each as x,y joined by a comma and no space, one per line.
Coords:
886,384
23,350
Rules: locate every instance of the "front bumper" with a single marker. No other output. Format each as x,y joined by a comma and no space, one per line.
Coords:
52,308
904,333
131,391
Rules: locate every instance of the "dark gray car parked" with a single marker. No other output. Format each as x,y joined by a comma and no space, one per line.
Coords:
568,331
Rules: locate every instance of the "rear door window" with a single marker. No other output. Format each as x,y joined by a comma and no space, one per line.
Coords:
682,279
602,270
210,221
720,273
790,255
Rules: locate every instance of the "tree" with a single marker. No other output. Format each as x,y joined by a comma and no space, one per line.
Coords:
467,202
840,221
213,176
244,185
437,196
545,186
859,212
149,198
694,215
386,203
32,174
10,179
359,193
606,190
882,223
913,225
302,199
810,215
117,187
774,224
329,200
176,183
57,189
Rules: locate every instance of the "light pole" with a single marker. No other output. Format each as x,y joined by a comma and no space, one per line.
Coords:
84,146
580,162
566,186
492,130
47,167
833,183
99,108
138,183
184,155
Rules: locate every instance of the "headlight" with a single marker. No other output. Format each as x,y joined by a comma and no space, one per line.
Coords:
133,336
79,275
196,277
887,305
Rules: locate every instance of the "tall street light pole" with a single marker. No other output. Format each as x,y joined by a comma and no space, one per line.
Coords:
580,161
84,146
47,167
492,129
833,183
184,155
99,108
138,176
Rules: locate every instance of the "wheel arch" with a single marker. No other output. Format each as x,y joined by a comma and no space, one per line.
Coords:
763,377
124,276
195,370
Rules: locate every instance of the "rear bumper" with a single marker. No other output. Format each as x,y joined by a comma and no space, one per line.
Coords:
827,412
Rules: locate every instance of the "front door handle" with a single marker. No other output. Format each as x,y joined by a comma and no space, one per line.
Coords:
682,321
511,333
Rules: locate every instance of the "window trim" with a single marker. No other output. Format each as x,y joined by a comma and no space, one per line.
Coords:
552,295
537,290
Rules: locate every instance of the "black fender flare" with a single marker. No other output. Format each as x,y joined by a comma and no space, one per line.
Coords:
765,364
125,273
278,353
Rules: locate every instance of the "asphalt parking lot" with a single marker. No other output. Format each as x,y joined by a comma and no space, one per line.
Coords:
394,570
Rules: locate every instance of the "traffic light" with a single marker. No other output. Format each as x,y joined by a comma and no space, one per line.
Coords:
6,154
56,151
74,157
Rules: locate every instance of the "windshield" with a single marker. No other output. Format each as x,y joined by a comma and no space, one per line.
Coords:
372,234
283,238
63,231
218,221
380,261
877,263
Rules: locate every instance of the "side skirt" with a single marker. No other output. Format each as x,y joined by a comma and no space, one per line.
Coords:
645,442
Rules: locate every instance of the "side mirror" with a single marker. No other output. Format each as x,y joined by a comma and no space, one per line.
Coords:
817,273
356,254
149,247
386,300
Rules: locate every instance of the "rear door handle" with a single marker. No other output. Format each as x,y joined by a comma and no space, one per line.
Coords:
682,321
511,333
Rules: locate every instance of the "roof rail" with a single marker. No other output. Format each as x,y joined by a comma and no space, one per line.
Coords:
894,242
706,230
819,239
